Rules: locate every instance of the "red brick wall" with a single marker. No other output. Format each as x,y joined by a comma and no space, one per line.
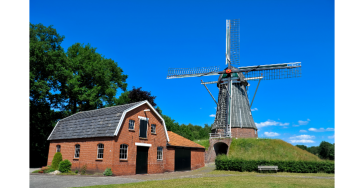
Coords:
88,147
197,158
169,167
210,154
243,133
88,153
129,137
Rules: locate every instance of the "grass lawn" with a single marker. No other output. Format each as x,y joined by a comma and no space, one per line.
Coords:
238,179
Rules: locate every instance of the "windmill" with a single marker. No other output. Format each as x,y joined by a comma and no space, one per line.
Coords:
233,107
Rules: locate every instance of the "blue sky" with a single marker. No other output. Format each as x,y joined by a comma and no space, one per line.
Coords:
146,38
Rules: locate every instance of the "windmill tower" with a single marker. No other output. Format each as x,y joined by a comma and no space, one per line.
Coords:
233,114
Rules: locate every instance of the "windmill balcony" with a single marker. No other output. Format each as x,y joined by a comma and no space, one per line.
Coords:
220,135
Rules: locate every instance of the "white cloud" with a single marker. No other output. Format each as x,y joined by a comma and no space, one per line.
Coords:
303,131
212,115
331,137
302,141
304,136
254,109
321,129
300,122
271,134
270,123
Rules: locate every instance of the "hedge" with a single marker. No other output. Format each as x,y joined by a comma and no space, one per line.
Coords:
235,164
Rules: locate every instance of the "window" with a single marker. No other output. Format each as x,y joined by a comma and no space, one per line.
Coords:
153,128
255,131
58,148
143,128
123,151
77,151
159,153
100,151
131,124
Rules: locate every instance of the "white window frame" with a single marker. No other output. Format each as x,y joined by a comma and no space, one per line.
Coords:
79,149
98,150
159,153
133,122
155,128
57,148
124,150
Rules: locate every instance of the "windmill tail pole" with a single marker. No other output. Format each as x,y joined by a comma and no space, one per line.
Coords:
209,92
251,104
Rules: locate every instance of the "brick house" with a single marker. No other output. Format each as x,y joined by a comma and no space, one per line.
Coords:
129,139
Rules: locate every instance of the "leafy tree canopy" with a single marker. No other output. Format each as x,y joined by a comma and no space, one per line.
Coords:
137,94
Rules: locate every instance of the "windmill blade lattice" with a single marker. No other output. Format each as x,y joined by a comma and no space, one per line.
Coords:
272,72
235,41
192,72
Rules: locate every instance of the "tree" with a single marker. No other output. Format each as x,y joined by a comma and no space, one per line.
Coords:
326,150
302,147
137,94
47,61
92,80
62,84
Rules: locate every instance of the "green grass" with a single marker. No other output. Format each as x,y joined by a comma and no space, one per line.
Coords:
268,149
239,180
205,143
35,171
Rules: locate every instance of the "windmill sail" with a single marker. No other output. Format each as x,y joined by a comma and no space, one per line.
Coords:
235,41
192,72
274,71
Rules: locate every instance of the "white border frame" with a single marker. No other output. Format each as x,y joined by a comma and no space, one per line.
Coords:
103,152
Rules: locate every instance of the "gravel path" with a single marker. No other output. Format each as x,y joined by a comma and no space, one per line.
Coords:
59,181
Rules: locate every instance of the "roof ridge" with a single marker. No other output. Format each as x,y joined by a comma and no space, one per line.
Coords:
101,109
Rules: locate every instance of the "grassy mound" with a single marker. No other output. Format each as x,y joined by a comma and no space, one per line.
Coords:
268,149
205,143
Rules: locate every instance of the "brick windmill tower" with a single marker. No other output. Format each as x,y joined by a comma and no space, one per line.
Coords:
233,113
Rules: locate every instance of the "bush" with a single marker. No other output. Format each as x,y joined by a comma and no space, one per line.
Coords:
49,170
108,172
224,163
57,158
65,166
76,171
83,169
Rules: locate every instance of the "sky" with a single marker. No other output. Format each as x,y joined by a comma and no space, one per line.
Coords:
146,38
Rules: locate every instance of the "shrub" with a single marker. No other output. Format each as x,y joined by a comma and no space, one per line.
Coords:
49,170
76,171
224,163
83,169
108,172
56,160
44,168
65,166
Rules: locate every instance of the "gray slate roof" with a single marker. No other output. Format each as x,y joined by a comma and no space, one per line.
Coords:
94,123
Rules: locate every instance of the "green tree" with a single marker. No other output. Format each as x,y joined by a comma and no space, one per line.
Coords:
62,84
302,147
47,63
326,149
92,80
137,94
